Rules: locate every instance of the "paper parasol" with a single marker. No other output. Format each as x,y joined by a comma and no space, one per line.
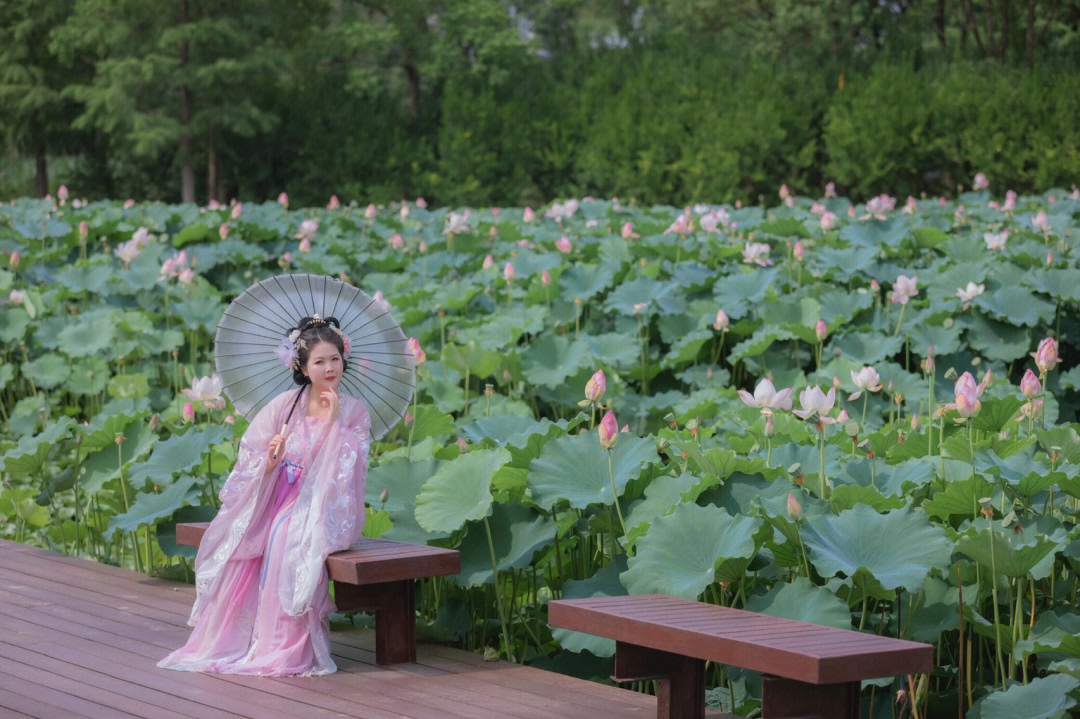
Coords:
380,368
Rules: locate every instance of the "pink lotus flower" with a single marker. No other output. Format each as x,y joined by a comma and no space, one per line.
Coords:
628,231
784,192
969,293
207,390
563,244
127,251
414,347
396,241
866,380
333,204
904,288
404,211
186,275
815,402
980,183
16,297
212,205
1030,410
421,203
422,246
83,229
794,509
879,205
766,398
995,240
545,278
817,209
494,211
408,418
283,200
508,271
370,211
488,262
305,245
1010,200
851,211
307,229
1030,386
188,412
830,189
828,221
229,419
172,266
843,417
757,253
1046,356
721,323
237,210
461,444
286,258
1041,222
798,251
967,399
528,215
608,429
14,260
62,194
910,206
821,331
682,224
455,223
594,388
223,230
128,204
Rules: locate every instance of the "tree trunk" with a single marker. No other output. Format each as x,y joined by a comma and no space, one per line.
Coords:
212,189
41,167
187,172
413,92
940,22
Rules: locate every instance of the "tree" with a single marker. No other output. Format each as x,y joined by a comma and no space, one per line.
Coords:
33,109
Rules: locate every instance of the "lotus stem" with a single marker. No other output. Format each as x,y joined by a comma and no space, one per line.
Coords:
866,396
994,596
498,594
821,458
899,319
615,495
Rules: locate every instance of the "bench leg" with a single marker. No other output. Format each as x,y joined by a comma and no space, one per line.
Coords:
789,699
680,692
395,616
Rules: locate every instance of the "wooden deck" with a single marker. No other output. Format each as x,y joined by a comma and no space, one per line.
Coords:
82,639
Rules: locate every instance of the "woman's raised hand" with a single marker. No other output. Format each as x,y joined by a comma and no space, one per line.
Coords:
330,401
278,441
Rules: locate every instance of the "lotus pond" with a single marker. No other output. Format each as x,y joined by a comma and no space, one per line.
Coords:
909,468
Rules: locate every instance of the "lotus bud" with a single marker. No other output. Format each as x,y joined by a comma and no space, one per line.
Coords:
987,380
628,231
967,401
154,421
721,323
595,387
1030,385
283,200
770,428
563,244
305,245
370,211
14,261
461,444
798,251
414,347
423,246
794,509
528,215
83,229
333,204
188,412
506,375
821,331
916,425
1049,258
229,419
608,429
625,428
545,278
1046,357
488,262
237,210
844,416
384,495
508,271
408,417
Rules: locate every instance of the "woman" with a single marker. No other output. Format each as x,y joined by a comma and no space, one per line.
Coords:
262,592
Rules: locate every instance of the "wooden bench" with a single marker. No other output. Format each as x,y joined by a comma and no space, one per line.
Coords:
377,574
807,670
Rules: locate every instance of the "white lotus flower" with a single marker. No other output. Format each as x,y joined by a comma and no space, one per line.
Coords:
206,390
995,240
967,294
766,398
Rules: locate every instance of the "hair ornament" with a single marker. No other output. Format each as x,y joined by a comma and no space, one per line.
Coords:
288,350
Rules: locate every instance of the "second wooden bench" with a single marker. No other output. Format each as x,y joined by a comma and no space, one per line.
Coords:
379,575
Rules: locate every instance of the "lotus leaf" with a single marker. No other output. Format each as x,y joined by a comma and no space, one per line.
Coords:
178,453
48,370
1013,555
459,491
516,532
897,549
1043,698
151,506
29,455
575,468
803,601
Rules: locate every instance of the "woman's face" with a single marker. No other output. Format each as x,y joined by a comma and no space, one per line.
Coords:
324,365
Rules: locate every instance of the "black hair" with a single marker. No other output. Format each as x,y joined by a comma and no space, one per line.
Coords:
312,333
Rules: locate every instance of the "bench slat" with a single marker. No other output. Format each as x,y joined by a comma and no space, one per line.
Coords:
782,647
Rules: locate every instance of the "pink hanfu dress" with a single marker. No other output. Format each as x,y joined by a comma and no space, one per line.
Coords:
244,629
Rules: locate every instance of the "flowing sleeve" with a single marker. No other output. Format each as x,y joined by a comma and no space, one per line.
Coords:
238,502
330,512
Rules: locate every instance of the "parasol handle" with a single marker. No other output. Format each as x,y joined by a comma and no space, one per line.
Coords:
278,448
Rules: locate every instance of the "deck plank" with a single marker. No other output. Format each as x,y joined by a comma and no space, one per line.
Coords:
82,639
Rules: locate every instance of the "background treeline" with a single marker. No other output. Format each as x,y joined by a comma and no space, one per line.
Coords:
500,102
